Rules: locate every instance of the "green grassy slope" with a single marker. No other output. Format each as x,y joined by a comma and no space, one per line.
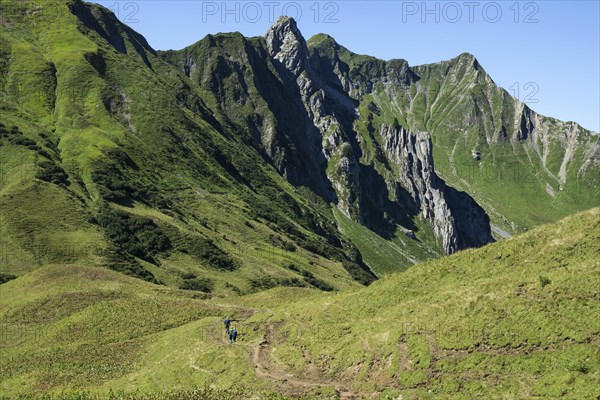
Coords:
109,157
69,327
388,256
514,319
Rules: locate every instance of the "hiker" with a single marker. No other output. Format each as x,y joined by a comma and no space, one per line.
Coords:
227,323
234,334
231,335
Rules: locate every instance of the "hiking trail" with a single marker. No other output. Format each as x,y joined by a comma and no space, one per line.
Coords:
286,382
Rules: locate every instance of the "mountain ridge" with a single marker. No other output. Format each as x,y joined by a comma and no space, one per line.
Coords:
288,49
274,127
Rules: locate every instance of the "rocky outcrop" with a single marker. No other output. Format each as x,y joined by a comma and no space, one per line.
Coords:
286,45
455,217
553,154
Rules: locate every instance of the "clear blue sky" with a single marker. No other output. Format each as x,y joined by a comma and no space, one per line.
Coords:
546,52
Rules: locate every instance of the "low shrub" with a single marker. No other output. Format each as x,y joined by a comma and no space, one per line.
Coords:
50,172
207,252
544,281
316,282
205,285
6,277
132,234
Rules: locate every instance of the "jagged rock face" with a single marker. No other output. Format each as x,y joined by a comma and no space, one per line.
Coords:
289,54
456,218
412,154
258,98
535,133
347,184
326,110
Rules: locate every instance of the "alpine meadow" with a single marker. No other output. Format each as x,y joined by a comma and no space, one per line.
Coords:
278,218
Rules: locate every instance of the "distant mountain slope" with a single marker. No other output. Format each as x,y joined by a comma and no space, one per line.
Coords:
345,116
516,318
523,168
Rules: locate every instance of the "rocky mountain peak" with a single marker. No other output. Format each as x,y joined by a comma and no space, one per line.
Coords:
469,61
286,44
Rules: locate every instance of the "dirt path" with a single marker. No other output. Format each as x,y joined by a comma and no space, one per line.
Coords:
264,368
